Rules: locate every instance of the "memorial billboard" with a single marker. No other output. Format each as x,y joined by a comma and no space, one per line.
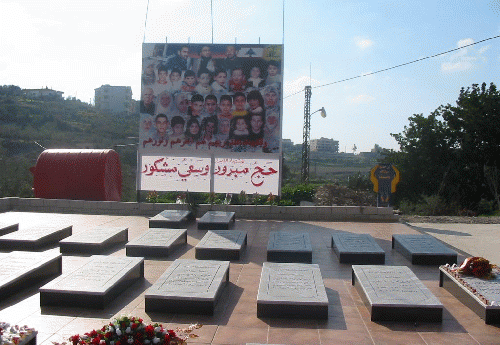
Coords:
216,101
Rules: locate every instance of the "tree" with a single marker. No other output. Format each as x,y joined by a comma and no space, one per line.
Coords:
454,152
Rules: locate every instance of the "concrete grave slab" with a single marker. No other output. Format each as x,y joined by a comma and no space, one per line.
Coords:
284,246
157,242
357,249
216,220
21,269
291,290
94,241
34,238
394,293
221,245
188,287
7,228
484,301
423,250
93,285
173,219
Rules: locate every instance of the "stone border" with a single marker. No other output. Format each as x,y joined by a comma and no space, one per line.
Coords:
268,212
489,313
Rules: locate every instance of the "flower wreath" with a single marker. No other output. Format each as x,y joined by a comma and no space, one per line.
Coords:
132,331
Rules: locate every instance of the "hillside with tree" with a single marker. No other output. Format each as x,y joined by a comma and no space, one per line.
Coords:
27,126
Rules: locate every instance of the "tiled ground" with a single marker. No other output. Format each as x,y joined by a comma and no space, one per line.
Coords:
235,320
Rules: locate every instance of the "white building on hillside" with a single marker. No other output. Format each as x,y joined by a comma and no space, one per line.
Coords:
45,94
324,145
116,99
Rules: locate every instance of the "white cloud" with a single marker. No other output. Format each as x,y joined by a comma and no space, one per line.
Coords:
464,42
363,43
456,66
465,58
298,84
362,99
484,49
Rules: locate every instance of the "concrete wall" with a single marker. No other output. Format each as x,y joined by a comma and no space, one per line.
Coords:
325,213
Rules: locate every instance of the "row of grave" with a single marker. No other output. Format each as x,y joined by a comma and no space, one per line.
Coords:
390,292
223,244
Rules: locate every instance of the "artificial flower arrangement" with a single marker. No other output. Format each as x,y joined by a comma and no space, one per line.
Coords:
476,266
132,331
13,335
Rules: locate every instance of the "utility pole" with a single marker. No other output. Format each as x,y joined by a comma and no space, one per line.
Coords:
305,137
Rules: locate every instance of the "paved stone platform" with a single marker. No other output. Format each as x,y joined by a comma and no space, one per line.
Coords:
94,241
423,250
174,219
481,295
394,293
357,249
221,245
291,290
6,228
190,286
235,321
216,220
287,246
34,238
95,284
157,242
22,269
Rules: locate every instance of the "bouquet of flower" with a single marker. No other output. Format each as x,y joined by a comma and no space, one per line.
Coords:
132,331
13,335
476,266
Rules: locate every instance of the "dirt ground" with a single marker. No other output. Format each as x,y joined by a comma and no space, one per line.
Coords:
449,219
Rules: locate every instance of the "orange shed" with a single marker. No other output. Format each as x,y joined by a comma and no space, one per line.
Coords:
78,175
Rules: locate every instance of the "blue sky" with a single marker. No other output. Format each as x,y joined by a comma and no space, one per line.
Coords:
76,46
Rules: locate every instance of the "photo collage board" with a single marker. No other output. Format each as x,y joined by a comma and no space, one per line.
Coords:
218,100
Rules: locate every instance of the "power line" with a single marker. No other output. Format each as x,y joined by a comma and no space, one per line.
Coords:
400,65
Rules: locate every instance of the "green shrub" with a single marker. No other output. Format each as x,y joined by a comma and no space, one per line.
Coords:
428,206
298,193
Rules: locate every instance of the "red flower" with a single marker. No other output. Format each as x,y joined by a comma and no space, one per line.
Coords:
74,339
134,326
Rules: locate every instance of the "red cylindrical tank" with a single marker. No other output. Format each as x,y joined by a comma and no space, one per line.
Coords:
78,175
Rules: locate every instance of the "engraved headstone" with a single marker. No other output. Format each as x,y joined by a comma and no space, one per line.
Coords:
286,246
21,269
156,242
481,295
394,293
174,219
93,285
188,286
357,249
94,241
291,290
221,245
34,238
216,220
423,250
6,228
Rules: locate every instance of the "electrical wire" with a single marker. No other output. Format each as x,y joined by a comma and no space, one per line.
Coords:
393,67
